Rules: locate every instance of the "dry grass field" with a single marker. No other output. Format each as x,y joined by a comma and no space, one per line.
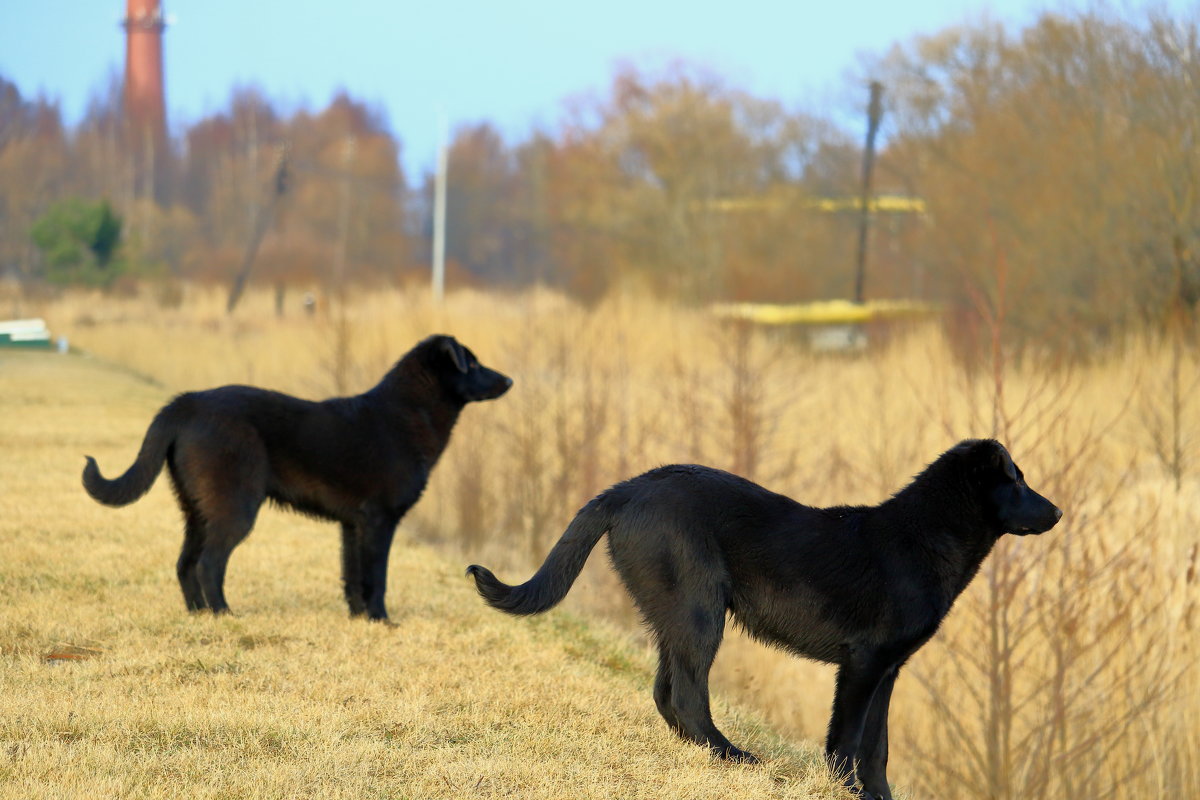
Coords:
109,689
1066,669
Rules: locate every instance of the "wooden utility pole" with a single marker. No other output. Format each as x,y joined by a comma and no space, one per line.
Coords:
874,113
266,215
345,196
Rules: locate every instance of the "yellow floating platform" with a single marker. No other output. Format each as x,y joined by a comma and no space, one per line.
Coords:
824,312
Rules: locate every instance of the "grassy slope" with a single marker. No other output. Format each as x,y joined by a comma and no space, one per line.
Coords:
289,698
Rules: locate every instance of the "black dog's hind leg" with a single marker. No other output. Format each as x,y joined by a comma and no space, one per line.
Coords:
662,691
858,679
873,752
211,572
189,558
193,543
221,536
352,569
689,653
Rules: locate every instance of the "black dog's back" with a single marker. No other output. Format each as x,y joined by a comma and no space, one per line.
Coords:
663,525
306,455
688,530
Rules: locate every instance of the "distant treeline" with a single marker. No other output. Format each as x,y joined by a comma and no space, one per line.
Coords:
1058,167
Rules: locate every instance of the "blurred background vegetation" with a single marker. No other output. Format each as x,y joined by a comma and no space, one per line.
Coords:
1064,155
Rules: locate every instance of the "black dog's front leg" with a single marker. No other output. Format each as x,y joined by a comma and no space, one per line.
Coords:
858,679
873,751
352,571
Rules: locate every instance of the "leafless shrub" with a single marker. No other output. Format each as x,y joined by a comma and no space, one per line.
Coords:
1058,654
1166,408
752,395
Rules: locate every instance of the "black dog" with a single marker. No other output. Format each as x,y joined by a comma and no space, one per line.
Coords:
362,461
862,587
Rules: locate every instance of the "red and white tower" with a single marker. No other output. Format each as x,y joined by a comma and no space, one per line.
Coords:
145,108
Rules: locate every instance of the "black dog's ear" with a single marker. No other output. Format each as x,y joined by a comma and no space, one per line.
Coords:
993,458
985,457
456,353
1003,462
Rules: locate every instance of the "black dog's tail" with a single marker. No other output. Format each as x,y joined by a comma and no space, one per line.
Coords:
138,479
552,581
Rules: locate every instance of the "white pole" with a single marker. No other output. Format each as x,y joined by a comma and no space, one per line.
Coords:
439,220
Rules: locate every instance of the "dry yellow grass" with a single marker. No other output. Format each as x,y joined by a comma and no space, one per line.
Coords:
109,689
1100,694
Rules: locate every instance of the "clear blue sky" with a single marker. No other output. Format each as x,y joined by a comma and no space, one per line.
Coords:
512,62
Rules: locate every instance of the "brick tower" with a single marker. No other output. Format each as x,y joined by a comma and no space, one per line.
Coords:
145,108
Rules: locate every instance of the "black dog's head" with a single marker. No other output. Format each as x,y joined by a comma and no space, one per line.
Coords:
460,371
1011,504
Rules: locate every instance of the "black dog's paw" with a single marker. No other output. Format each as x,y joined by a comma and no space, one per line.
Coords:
736,755
863,794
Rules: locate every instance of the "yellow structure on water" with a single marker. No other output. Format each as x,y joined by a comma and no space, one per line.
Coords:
825,312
